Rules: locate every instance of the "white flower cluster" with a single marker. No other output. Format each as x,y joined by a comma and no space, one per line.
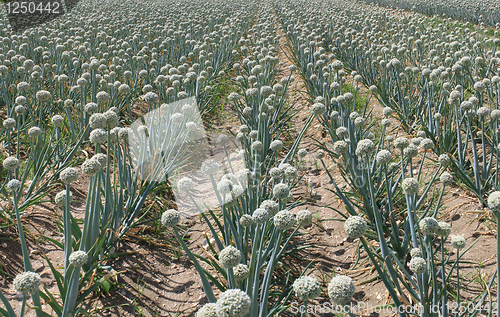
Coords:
306,288
355,227
341,289
229,257
233,303
170,218
27,283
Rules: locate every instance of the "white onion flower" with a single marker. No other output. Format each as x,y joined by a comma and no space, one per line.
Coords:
170,218
306,288
27,283
229,257
341,289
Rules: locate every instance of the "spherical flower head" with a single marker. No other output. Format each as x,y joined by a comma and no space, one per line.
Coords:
224,187
340,147
355,227
426,144
393,166
353,115
276,146
444,229
266,91
288,171
208,310
233,303
410,186
401,143
21,100
318,109
241,272
349,97
124,133
34,132
97,121
284,220
244,128
247,111
418,265
233,96
275,173
78,258
483,112
270,206
304,217
91,108
302,153
444,159
229,257
306,288
142,130
210,167
320,154
446,178
253,134
466,106
57,120
222,139
100,158
69,175
23,86
365,147
246,221
495,114
151,98
429,226
123,89
243,175
27,283
102,97
43,95
170,218
19,109
383,157
494,201
91,167
11,163
185,184
458,242
281,191
342,132
260,216
386,123
416,253
111,118
359,122
479,86
341,289
257,146
9,123
61,198
98,136
13,186
369,135
410,151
